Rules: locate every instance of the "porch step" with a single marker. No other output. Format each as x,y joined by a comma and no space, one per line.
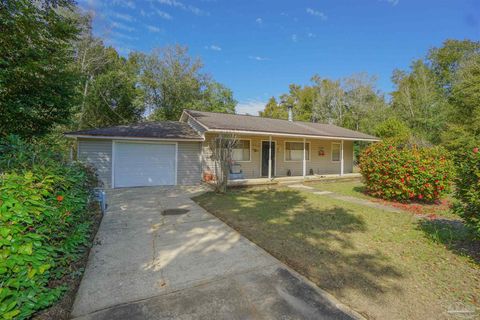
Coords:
293,180
290,182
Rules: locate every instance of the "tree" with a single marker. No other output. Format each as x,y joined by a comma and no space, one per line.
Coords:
216,97
91,57
423,97
463,129
274,110
114,97
445,61
364,106
173,81
328,104
221,149
393,128
419,102
352,102
37,81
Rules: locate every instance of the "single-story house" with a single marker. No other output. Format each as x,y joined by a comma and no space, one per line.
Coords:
179,152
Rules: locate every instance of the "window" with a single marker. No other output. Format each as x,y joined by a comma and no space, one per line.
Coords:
241,151
294,151
335,152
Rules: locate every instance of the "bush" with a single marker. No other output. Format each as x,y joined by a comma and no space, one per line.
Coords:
44,226
394,129
406,173
467,188
17,154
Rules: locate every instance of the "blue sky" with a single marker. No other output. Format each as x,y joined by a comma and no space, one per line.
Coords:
257,48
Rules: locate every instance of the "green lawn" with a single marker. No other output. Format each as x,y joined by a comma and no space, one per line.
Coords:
384,265
355,188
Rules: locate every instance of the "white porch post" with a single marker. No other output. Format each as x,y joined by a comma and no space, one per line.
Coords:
304,159
270,158
341,158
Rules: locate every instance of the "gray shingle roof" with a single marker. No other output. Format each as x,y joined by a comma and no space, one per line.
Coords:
159,130
226,121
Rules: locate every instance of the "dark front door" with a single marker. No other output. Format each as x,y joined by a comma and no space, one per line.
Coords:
265,155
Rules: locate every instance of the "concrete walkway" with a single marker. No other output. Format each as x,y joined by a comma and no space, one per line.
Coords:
187,265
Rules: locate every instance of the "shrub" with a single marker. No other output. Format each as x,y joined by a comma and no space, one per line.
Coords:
406,173
467,188
393,128
44,227
17,154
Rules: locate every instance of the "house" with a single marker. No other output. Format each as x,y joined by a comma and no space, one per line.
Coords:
179,152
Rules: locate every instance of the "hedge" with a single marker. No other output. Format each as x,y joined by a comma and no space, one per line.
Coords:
467,188
406,172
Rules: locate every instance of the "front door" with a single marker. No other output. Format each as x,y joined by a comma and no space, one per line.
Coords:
265,157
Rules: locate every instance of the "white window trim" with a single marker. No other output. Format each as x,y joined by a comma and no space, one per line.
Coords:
301,160
250,154
339,154
114,143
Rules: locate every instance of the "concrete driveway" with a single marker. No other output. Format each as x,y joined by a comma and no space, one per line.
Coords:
187,265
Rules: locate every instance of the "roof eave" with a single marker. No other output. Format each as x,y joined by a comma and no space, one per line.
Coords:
86,136
278,134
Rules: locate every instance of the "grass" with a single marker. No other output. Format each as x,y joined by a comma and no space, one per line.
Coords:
382,264
355,188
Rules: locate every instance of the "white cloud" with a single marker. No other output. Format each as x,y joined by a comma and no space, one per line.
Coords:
213,47
154,29
258,58
143,13
124,17
319,14
121,26
181,5
124,3
393,2
294,38
250,107
116,34
311,35
259,20
163,15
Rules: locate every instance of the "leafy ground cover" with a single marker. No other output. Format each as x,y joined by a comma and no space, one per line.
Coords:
382,264
47,220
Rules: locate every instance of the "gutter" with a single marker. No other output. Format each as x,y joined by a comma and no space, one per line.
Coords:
84,136
263,133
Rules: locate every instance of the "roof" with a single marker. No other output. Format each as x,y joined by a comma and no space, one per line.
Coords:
152,130
213,121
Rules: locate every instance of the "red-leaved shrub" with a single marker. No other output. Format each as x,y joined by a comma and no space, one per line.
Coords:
406,173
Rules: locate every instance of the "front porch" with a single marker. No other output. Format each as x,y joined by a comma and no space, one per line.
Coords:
292,179
261,159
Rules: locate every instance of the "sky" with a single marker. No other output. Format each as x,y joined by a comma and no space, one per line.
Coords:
258,48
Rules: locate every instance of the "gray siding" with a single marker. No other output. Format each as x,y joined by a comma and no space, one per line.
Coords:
98,153
189,165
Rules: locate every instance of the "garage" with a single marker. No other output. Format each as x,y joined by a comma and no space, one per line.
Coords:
138,164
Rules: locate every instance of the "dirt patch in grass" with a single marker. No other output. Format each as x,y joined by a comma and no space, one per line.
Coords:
380,263
61,309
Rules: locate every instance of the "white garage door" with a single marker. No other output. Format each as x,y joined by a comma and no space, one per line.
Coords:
144,164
